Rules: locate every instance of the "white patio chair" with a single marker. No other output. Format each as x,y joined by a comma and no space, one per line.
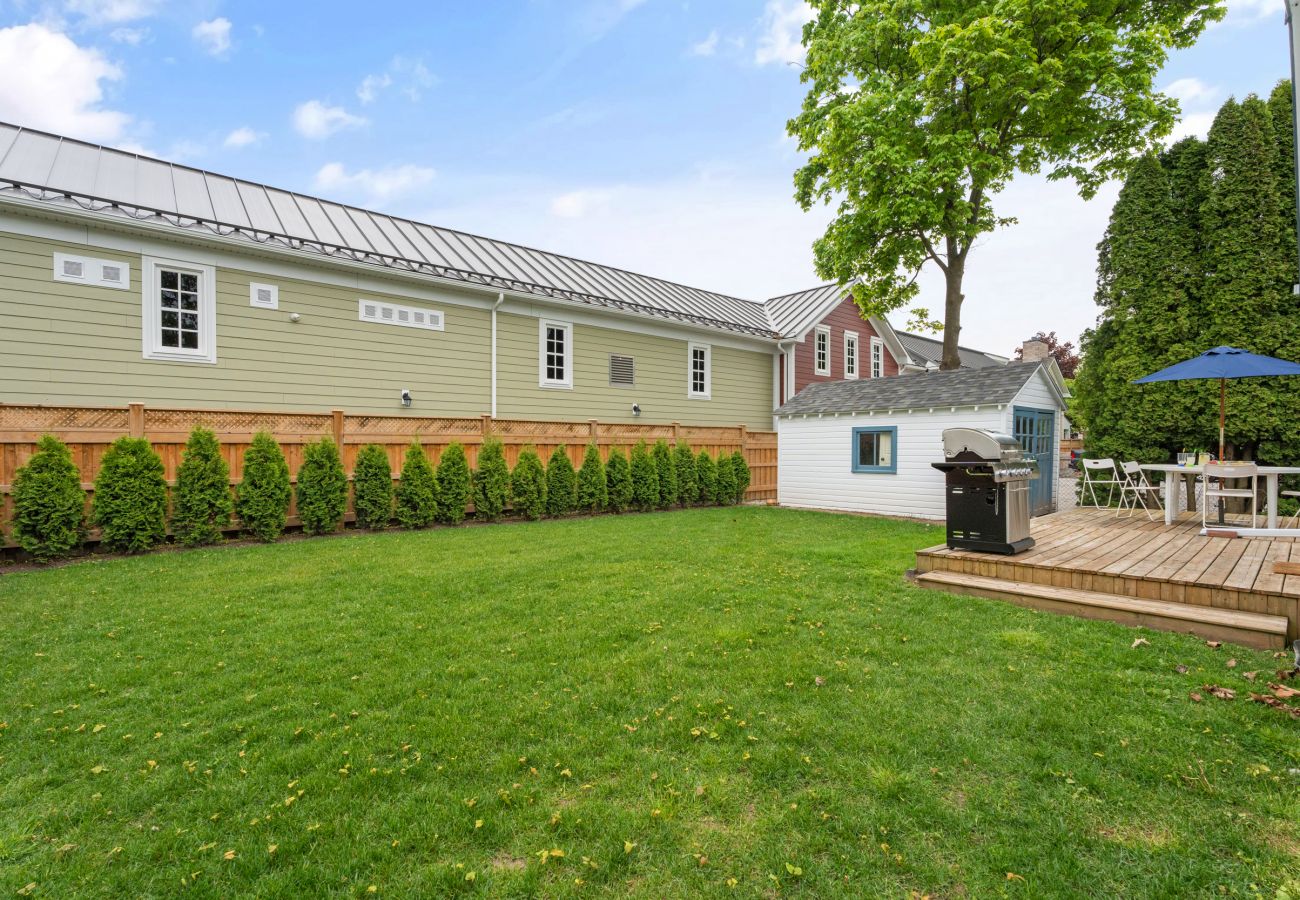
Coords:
1295,519
1134,491
1217,475
1099,473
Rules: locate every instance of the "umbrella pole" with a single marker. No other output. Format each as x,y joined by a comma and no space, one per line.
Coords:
1223,412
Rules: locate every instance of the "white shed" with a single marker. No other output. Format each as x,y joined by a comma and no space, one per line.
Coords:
867,445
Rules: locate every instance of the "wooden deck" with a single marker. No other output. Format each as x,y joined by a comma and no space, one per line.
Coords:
1090,555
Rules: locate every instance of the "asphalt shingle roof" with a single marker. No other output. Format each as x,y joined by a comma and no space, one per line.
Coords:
962,387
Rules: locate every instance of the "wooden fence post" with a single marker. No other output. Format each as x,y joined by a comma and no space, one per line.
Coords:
135,420
594,426
337,415
677,432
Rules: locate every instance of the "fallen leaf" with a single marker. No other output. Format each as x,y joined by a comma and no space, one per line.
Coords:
271,848
98,770
1231,664
1282,691
793,870
1012,876
229,854
1196,698
1268,700
1249,676
1222,693
629,846
819,681
1214,645
26,889
1180,669
98,728
1139,642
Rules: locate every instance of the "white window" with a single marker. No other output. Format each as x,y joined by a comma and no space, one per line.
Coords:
179,314
822,350
700,371
392,314
264,296
850,354
877,358
88,270
555,354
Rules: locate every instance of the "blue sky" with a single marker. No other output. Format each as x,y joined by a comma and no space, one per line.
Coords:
642,133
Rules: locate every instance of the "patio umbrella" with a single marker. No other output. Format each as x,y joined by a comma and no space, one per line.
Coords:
1223,363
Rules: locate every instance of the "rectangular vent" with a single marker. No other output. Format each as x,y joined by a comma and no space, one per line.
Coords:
88,270
393,314
264,296
622,370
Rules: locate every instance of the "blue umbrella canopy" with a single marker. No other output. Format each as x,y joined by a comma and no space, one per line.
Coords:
1223,363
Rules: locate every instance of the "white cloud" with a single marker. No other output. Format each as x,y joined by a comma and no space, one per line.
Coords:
316,121
1251,12
1198,102
706,47
781,40
411,76
213,36
108,12
51,83
580,203
372,184
132,36
242,137
1190,91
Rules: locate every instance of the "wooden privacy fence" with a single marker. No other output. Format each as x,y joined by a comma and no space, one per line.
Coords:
89,430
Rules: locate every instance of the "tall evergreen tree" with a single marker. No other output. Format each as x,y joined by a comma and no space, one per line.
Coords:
593,492
561,484
417,490
202,503
1282,112
666,471
491,481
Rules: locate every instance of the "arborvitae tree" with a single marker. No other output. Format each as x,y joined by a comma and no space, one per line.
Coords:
528,485
417,490
262,501
593,493
453,484
202,504
724,490
1281,112
491,481
49,504
561,484
645,478
372,488
740,469
130,504
706,474
322,488
618,480
688,484
666,470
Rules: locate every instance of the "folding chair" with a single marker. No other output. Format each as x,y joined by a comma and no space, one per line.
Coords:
1135,490
1217,475
1106,476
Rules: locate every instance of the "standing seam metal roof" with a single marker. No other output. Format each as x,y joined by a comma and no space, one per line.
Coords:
115,184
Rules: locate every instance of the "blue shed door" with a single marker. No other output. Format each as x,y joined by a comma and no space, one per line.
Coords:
1036,431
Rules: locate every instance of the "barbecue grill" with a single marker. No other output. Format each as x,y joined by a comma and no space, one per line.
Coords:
988,477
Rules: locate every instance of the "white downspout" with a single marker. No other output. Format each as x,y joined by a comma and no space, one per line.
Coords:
780,375
501,297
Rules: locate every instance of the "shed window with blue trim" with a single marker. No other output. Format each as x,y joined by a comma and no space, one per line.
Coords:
873,449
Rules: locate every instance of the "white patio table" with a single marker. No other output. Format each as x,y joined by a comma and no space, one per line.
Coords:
1190,473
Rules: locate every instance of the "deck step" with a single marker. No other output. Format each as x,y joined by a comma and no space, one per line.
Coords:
1257,630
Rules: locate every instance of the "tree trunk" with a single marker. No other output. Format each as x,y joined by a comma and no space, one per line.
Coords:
952,313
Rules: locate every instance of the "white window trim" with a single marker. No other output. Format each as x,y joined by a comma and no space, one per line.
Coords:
818,333
851,337
273,303
691,393
542,381
92,268
151,314
877,352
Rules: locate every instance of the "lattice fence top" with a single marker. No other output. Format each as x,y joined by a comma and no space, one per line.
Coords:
61,418
637,432
406,425
525,428
712,435
238,421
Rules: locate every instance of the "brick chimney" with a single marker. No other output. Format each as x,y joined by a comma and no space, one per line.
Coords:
1034,350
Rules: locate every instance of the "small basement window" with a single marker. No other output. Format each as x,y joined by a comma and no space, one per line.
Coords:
873,449
622,370
822,350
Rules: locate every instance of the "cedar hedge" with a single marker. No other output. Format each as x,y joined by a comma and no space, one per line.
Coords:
262,501
561,484
666,471
706,473
645,478
724,491
491,481
372,488
130,504
743,477
49,504
593,491
618,481
528,485
202,504
417,490
322,488
453,484
688,484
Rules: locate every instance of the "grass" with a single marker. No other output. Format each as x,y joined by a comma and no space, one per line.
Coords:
716,702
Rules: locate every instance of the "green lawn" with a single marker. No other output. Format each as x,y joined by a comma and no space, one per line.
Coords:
735,702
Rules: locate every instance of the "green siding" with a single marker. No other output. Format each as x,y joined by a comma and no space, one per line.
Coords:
741,379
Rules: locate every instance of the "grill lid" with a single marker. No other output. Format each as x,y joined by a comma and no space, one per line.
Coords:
980,443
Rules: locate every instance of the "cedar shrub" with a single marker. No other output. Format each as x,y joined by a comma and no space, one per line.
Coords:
372,488
202,506
666,470
453,484
724,490
561,484
740,468
706,473
645,478
618,481
262,501
491,481
688,484
528,485
130,504
49,504
322,488
593,492
417,490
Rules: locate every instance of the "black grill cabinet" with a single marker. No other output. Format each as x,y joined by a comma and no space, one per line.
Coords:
987,486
